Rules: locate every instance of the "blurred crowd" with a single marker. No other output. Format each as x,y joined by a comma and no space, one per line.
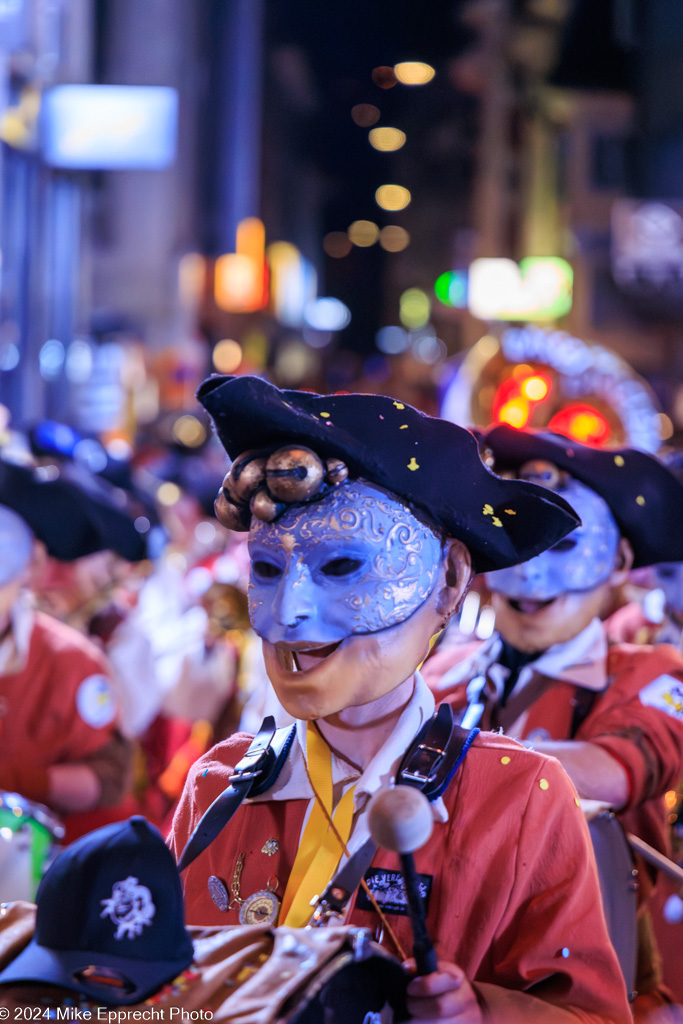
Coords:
128,594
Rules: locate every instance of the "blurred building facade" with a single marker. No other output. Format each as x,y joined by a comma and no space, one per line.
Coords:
580,134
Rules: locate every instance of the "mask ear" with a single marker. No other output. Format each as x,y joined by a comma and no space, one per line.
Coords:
457,576
622,563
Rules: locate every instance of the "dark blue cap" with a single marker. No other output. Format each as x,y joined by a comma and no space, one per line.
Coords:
110,919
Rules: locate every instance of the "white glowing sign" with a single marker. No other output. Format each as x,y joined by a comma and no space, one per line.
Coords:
538,288
647,245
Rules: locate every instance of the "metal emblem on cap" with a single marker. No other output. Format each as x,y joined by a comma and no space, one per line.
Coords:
218,891
261,907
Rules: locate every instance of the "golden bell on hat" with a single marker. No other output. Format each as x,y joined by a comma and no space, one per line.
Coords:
247,473
228,514
294,473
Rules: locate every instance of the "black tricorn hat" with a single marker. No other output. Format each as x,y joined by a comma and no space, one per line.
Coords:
430,463
69,521
644,497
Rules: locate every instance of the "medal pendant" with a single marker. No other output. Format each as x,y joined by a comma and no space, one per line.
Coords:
261,907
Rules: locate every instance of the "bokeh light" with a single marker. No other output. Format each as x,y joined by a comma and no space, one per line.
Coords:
387,139
451,288
384,77
427,348
414,308
337,244
392,340
535,388
189,431
363,233
392,197
51,359
327,314
393,238
226,355
365,114
168,493
191,279
294,361
413,72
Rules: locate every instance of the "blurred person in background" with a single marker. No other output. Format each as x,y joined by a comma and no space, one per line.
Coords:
613,716
61,741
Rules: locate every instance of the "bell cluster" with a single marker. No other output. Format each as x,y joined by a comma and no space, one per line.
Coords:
263,485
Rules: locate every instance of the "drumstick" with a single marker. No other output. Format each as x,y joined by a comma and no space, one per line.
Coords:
400,820
654,857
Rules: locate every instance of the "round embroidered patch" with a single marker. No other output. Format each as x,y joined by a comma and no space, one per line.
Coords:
95,701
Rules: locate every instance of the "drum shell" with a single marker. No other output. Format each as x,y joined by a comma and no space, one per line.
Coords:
17,814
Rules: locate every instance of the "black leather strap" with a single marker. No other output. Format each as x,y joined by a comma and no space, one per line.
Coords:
434,757
254,774
431,762
436,754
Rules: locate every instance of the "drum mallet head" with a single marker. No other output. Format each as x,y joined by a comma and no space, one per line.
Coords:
400,820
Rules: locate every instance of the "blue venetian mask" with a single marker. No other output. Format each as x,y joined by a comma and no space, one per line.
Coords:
354,563
581,561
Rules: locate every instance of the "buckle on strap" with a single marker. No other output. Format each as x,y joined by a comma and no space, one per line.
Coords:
423,765
256,758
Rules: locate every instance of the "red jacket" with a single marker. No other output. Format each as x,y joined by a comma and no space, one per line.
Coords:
514,895
645,739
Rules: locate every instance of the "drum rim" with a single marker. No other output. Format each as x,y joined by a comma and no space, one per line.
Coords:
39,813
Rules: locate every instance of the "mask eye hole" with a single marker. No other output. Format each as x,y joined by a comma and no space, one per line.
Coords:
566,544
341,567
265,570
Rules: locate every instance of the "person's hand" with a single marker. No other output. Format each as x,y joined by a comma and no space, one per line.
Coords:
445,996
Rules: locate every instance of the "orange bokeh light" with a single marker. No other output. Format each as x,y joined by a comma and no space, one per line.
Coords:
535,388
582,423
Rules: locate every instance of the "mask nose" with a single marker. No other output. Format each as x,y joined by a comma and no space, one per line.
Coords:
294,602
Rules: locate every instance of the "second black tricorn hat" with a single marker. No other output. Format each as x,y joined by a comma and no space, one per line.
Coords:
644,496
431,464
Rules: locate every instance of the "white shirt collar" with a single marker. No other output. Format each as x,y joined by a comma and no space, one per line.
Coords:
293,784
581,660
15,646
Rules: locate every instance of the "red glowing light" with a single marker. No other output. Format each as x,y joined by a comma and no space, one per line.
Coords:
582,423
516,396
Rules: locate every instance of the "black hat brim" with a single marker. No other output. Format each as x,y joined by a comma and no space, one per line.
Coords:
430,463
644,497
61,967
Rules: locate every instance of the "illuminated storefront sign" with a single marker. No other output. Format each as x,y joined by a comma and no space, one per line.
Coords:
538,288
647,247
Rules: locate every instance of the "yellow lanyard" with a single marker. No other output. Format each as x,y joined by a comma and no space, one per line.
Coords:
319,849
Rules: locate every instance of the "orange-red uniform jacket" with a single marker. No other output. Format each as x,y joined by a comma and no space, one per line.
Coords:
627,719
58,708
514,897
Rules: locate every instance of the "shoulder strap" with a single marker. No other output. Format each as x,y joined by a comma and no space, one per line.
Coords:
436,753
432,760
254,774
430,763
